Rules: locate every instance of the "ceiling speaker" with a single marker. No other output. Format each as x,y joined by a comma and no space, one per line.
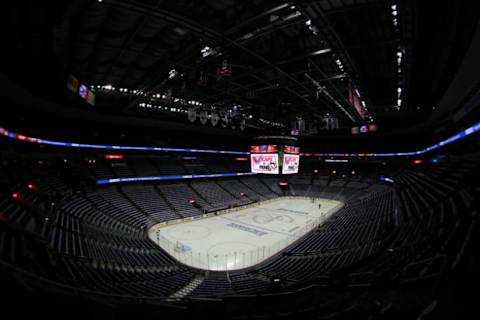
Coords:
203,116
224,119
242,124
192,114
214,119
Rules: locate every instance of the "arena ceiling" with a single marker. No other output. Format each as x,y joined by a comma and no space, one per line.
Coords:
286,58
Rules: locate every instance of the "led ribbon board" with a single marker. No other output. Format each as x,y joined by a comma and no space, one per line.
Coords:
20,137
181,177
462,134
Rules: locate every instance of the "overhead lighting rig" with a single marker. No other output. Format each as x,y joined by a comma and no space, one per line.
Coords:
399,56
321,89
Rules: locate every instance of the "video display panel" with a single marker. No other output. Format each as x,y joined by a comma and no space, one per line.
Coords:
83,91
274,159
291,163
372,127
264,163
268,148
292,149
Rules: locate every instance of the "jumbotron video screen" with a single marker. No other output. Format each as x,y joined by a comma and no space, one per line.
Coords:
274,159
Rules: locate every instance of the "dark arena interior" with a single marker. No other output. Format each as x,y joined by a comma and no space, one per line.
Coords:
228,159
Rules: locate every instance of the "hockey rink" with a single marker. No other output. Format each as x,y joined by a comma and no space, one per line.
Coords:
245,237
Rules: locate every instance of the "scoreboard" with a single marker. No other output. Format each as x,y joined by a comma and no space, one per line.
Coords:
274,159
291,162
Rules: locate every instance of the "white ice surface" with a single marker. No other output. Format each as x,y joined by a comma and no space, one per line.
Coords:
242,238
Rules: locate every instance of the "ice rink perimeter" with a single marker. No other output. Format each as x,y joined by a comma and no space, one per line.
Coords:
244,237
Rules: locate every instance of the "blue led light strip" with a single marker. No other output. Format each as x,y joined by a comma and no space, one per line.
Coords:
462,134
182,177
17,136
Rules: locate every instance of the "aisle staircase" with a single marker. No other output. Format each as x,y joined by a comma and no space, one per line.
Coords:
184,291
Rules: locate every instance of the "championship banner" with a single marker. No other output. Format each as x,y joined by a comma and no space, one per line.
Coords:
72,83
264,163
290,163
